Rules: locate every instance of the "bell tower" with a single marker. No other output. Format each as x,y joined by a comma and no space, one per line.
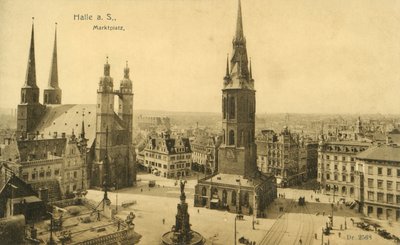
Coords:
125,100
52,94
29,108
104,111
237,153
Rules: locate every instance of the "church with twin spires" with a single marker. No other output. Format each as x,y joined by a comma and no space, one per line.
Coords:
74,146
238,186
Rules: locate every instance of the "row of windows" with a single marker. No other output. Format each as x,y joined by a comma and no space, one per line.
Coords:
380,171
336,177
172,158
380,184
39,174
380,197
336,167
337,158
171,166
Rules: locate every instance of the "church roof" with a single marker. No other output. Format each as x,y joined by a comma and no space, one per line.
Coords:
65,118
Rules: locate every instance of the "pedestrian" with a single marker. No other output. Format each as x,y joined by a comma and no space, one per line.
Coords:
119,224
323,213
141,189
341,227
198,211
300,241
315,236
163,221
339,234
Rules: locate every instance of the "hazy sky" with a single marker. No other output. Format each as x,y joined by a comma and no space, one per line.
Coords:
339,56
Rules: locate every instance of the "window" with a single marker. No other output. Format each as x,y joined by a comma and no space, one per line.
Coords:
397,186
327,157
41,174
75,174
328,176
389,172
33,175
370,183
352,179
56,172
343,168
335,158
380,197
370,170
231,137
352,168
380,171
380,184
370,195
398,172
389,198
336,177
352,159
398,199
344,178
389,185
336,168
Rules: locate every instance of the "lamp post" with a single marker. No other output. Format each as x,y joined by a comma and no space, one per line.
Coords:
116,197
335,187
236,218
51,241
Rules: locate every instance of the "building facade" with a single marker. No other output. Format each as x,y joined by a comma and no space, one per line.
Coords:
379,167
285,155
168,157
238,186
205,153
337,173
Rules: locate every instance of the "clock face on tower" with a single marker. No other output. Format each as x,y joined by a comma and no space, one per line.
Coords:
230,154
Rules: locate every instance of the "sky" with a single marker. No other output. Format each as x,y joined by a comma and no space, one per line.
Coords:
308,56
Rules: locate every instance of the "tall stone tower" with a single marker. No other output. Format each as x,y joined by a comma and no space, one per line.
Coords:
125,95
29,109
104,112
52,94
237,154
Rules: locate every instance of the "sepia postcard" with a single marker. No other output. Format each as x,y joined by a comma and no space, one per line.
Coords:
199,122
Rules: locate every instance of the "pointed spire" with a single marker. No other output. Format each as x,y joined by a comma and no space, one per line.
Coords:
227,65
126,71
250,72
53,79
30,78
106,68
239,24
83,125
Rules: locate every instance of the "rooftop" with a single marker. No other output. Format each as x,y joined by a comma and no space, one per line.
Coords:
230,179
381,153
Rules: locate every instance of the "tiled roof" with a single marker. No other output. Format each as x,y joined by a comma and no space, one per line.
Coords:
64,118
382,153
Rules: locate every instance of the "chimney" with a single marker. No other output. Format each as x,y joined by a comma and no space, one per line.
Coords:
55,135
62,135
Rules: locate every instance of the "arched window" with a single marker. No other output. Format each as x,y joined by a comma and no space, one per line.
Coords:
224,197
233,199
232,107
231,137
224,107
204,191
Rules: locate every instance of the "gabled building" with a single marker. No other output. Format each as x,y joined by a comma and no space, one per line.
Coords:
205,153
168,157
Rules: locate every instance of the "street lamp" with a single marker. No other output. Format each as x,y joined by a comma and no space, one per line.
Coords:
51,241
236,218
335,188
